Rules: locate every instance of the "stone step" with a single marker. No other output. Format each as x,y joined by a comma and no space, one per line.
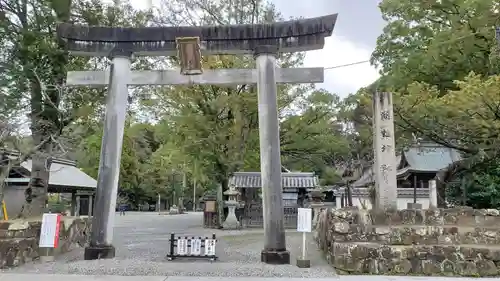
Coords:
374,258
456,216
456,260
415,234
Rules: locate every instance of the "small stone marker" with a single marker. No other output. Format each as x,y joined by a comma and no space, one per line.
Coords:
304,225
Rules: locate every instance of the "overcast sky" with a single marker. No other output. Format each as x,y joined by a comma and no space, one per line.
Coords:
358,25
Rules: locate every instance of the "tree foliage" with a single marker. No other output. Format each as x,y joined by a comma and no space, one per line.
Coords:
439,58
34,63
437,42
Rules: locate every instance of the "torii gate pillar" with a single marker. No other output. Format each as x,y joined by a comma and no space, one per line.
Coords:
274,251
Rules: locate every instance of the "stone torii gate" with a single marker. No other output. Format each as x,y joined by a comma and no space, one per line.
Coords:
264,41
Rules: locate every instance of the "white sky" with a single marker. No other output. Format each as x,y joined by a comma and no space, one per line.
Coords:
338,50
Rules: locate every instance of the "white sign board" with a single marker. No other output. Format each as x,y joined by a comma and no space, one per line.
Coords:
195,247
304,220
182,247
49,233
209,247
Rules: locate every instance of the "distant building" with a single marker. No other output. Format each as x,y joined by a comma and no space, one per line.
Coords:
416,166
295,186
64,178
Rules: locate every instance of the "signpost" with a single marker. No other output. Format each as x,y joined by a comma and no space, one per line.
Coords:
190,247
304,225
49,235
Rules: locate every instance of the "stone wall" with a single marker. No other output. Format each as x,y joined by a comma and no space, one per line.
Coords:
19,239
454,242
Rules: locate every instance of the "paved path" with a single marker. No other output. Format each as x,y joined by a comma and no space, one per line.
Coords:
141,241
41,277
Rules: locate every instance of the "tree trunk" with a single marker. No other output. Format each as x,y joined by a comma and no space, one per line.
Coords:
46,121
183,189
36,195
223,185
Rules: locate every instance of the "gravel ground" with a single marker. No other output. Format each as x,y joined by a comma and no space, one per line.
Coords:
141,240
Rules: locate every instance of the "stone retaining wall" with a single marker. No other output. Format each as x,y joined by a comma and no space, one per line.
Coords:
19,239
457,242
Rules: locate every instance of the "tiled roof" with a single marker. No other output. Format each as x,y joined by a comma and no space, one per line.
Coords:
289,180
62,173
424,158
430,158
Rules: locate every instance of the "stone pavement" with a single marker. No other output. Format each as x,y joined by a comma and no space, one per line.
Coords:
51,277
141,241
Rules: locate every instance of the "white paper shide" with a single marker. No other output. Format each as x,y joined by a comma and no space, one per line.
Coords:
210,247
182,247
195,247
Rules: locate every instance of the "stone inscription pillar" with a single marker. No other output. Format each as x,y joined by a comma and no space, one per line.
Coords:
274,251
384,152
109,166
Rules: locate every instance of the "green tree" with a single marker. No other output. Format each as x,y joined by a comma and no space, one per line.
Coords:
439,58
312,137
465,119
216,127
35,62
479,187
437,42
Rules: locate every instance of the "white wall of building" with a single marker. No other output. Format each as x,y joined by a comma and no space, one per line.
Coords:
402,202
